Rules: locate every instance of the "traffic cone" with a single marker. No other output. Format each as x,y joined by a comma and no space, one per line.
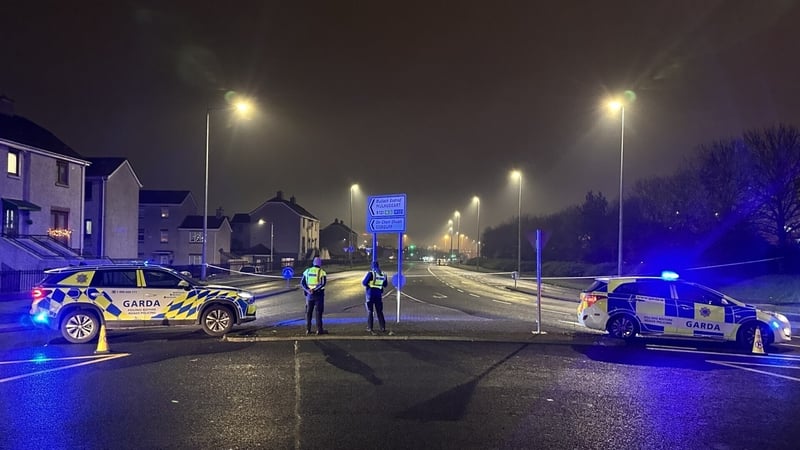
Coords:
102,343
758,343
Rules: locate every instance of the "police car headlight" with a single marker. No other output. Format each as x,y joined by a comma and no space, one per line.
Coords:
245,295
781,317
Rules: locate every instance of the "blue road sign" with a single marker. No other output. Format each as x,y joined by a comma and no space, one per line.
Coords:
288,273
398,280
386,213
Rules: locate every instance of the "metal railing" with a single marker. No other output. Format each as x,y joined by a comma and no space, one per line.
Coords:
19,280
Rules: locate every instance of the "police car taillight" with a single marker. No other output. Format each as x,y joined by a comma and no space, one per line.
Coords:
590,299
39,293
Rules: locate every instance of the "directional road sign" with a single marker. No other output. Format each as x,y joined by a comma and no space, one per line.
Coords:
386,213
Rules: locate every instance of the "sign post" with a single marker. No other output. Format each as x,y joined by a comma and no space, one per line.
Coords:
387,214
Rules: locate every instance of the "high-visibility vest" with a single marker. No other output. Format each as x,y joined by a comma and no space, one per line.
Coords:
313,276
377,280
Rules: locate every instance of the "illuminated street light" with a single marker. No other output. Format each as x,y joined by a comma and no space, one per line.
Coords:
458,235
518,175
615,106
350,232
242,108
450,231
477,202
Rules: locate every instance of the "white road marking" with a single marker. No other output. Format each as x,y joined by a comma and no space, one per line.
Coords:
738,355
459,290
788,345
475,295
91,360
501,301
737,366
297,418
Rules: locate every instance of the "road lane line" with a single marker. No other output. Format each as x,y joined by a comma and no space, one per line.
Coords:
501,301
739,355
297,418
735,366
97,359
475,295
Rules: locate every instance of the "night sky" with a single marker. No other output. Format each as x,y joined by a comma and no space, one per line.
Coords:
438,100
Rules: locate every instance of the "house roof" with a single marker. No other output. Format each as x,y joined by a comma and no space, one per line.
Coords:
196,222
241,218
338,224
103,167
22,131
147,196
291,203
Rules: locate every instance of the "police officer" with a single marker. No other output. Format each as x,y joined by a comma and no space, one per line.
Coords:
375,281
313,283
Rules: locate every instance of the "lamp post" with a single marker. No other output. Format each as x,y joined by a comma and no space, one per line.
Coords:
241,107
350,232
458,235
477,202
614,106
271,241
518,175
450,231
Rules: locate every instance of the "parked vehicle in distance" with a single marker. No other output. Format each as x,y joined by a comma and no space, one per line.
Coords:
76,300
627,306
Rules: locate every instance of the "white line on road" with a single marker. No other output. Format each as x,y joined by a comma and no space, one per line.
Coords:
501,301
96,359
737,366
475,295
739,355
297,418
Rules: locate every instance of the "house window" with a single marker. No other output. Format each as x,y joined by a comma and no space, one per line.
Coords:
13,162
195,237
62,173
164,213
195,260
164,236
87,195
141,235
88,228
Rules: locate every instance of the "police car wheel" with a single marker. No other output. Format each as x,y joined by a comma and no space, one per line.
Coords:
622,326
217,320
80,327
747,334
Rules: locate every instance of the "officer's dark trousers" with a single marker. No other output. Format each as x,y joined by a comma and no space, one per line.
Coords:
377,306
314,303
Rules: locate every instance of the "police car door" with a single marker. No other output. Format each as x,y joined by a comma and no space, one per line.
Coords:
703,311
113,290
164,295
651,299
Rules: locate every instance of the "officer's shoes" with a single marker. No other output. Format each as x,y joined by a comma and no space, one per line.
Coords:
369,330
308,332
322,332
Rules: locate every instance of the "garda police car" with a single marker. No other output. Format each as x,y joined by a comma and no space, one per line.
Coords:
627,306
76,299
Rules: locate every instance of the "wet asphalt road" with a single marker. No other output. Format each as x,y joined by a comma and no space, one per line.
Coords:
177,388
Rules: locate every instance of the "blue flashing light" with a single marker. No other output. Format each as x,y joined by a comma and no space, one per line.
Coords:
41,317
669,275
776,325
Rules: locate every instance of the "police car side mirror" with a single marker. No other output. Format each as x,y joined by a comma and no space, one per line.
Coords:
184,284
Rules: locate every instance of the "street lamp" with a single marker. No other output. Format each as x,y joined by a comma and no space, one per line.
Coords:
350,233
615,106
477,202
271,241
518,175
458,235
242,108
450,231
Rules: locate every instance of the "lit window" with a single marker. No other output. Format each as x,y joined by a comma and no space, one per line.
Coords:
13,162
164,236
88,229
63,173
164,213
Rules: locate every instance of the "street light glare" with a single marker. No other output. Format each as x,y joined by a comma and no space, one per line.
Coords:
354,187
615,105
516,174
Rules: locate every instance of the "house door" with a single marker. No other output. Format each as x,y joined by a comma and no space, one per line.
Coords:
10,219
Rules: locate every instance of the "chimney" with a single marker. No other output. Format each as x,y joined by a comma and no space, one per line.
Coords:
219,212
291,200
6,106
279,195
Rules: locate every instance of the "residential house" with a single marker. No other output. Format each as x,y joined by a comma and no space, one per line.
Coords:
112,216
284,226
161,213
338,239
42,195
190,240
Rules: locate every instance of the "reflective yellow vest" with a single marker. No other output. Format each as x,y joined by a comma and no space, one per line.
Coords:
377,280
314,276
